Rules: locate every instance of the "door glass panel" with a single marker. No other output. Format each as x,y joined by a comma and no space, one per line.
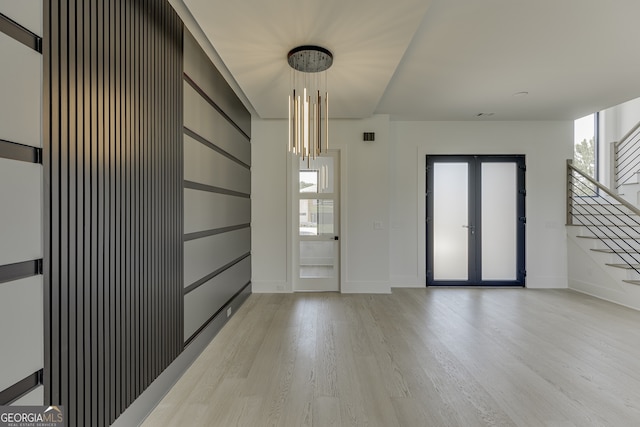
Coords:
499,221
316,175
317,259
308,181
316,217
450,217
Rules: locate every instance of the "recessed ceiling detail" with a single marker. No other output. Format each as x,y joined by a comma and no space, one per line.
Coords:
368,39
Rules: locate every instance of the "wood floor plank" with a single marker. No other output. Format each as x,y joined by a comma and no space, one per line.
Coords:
326,411
326,381
417,357
384,348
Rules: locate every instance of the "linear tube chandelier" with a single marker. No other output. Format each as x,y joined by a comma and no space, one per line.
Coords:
309,101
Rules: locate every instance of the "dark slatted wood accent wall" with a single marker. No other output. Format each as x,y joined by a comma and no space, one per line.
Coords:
113,161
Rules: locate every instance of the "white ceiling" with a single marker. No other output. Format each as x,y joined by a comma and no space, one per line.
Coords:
435,59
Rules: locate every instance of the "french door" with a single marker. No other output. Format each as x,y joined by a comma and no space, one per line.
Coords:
475,220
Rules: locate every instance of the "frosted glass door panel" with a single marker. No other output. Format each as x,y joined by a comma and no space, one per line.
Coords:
450,219
499,226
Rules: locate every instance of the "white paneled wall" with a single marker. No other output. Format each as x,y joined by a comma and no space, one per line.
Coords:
202,118
20,211
384,183
212,168
21,329
27,13
21,204
208,211
208,254
21,89
220,288
217,193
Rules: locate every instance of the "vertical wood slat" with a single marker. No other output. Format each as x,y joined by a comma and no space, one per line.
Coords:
153,202
84,403
136,372
114,226
138,307
145,197
77,416
125,154
120,222
113,202
98,193
64,197
72,219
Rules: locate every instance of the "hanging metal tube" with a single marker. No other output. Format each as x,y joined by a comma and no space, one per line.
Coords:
326,119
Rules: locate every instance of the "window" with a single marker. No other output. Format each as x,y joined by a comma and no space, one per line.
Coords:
585,144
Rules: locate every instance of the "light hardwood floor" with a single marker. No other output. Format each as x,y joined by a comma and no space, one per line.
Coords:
417,357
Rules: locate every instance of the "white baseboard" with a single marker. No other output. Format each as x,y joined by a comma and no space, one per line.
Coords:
597,292
360,287
271,287
407,282
607,294
546,282
365,287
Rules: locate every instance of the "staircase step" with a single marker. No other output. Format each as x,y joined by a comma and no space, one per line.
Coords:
609,238
628,220
592,218
618,246
631,179
625,266
611,228
621,256
607,213
609,224
633,282
611,251
607,207
632,225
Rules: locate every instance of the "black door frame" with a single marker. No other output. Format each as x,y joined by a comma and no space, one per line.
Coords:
475,198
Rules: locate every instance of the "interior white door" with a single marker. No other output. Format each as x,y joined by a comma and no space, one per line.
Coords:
318,230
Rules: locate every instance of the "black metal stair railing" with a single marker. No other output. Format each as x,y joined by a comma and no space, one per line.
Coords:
627,156
589,204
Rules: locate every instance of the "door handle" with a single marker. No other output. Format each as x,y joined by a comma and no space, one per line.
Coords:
470,227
